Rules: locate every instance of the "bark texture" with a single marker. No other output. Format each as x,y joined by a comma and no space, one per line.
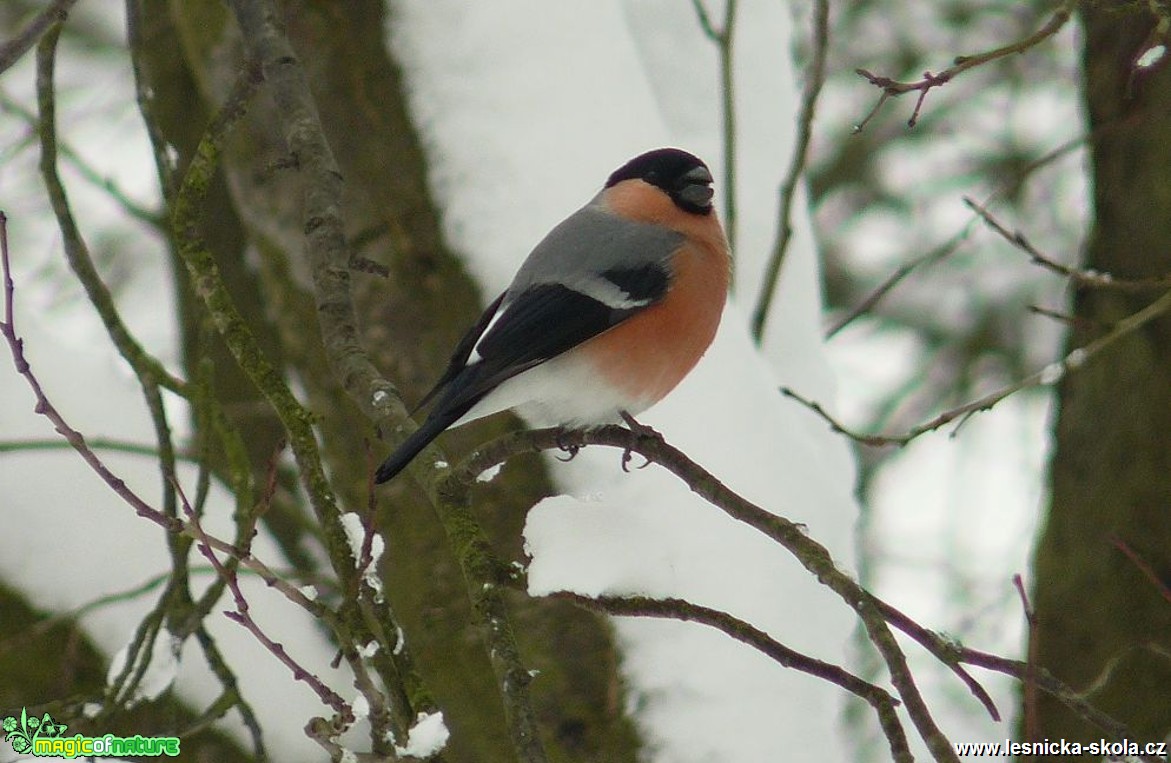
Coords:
410,321
1103,625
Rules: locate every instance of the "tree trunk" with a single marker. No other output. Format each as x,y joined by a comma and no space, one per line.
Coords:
1103,625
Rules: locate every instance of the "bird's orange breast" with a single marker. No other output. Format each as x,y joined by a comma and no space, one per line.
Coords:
647,355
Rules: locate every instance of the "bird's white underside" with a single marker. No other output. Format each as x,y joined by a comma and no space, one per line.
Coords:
564,390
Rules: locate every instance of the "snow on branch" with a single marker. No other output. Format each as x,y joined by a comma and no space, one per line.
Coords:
877,617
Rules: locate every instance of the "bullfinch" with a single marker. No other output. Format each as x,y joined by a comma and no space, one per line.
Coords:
610,311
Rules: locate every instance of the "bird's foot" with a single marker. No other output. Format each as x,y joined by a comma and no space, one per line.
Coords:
568,448
640,431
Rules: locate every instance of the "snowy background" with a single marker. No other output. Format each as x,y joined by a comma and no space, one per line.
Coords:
525,107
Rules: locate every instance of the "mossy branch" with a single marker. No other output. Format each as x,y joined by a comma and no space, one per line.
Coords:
486,577
148,369
150,373
11,51
325,240
377,398
209,285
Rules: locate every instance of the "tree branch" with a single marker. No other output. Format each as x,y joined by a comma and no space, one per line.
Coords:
874,613
941,252
724,39
1049,375
147,368
1087,278
950,653
952,245
893,88
377,398
814,80
679,609
11,51
208,284
811,554
49,411
325,240
242,616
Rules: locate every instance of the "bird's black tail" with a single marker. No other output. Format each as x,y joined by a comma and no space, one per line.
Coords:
453,403
438,421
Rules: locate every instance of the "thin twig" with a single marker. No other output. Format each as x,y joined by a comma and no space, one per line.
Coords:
952,245
243,616
1088,278
175,526
1030,678
49,411
46,408
893,88
152,217
724,39
1049,375
686,611
941,252
728,112
814,80
1071,321
245,517
949,652
680,609
228,572
97,443
122,691
705,20
11,51
1143,566
230,698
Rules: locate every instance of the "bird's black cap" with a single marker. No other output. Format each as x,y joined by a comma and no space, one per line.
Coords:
685,178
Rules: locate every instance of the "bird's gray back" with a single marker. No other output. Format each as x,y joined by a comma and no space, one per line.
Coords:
590,242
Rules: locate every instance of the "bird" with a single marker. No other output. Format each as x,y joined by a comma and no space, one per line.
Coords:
610,311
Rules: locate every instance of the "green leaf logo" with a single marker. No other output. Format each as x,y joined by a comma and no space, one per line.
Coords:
22,732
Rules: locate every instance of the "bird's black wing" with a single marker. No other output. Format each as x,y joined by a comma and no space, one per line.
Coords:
546,320
540,323
459,356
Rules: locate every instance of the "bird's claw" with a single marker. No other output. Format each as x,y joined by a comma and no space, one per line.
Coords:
640,431
569,449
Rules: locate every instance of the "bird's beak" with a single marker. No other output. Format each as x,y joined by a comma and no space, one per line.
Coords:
697,187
